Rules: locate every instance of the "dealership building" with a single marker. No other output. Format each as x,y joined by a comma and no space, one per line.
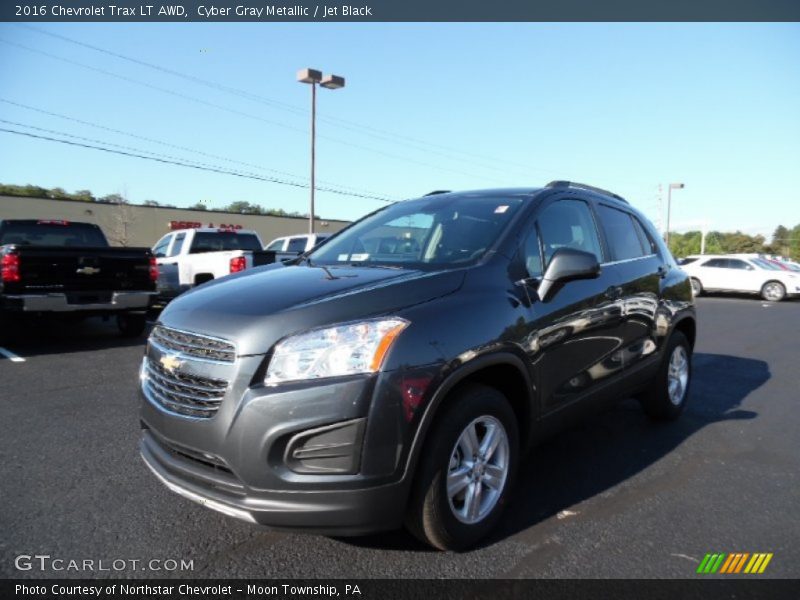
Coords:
137,225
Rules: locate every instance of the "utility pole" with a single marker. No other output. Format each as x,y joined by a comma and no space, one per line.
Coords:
703,233
660,211
670,187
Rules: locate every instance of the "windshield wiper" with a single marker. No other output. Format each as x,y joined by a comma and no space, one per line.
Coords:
376,266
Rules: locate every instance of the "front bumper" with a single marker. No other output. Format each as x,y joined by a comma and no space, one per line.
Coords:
116,302
329,511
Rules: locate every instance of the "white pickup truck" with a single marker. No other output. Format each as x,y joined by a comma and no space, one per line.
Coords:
293,245
190,257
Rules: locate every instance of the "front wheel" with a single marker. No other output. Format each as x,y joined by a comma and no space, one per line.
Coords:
666,397
466,470
773,291
131,325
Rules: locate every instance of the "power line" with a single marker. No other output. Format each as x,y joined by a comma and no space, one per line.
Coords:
238,112
175,146
106,143
344,123
199,167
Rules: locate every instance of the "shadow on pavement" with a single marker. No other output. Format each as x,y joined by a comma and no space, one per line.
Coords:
41,336
602,451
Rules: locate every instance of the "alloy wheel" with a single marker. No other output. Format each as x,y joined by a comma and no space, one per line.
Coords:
678,375
773,291
478,469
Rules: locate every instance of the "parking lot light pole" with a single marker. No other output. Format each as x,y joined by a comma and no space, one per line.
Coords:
672,186
332,82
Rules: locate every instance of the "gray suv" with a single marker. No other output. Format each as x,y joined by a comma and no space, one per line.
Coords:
397,373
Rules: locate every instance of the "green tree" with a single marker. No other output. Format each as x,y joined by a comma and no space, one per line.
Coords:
198,206
794,244
781,240
35,191
58,193
113,199
150,203
244,208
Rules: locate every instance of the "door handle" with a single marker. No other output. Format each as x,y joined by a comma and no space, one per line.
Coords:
613,292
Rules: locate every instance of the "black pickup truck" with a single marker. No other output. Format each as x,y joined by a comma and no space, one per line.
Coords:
68,269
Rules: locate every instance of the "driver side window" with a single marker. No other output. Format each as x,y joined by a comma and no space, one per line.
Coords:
568,224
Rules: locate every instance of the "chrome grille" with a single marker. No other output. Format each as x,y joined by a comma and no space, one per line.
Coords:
181,393
192,344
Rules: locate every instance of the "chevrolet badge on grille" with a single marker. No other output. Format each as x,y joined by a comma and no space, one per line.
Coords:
170,362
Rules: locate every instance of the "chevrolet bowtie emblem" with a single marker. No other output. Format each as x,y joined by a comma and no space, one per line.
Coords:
170,362
88,271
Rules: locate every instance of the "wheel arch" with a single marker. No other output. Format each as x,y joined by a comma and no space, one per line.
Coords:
502,371
688,327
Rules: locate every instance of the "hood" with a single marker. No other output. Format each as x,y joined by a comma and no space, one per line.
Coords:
256,308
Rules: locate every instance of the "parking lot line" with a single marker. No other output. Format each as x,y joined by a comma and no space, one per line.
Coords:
10,355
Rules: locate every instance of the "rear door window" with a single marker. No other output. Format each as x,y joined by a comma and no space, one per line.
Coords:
624,243
735,263
718,263
650,246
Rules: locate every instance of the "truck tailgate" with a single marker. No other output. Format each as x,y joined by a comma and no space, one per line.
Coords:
58,269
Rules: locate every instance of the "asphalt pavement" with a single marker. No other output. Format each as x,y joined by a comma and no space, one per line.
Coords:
615,496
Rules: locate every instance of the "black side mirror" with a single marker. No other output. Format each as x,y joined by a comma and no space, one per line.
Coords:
568,264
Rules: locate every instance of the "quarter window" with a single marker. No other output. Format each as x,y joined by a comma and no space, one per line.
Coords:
623,241
568,224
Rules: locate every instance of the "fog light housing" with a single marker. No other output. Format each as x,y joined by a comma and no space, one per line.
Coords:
329,450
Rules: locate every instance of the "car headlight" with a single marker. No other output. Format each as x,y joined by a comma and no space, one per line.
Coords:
345,349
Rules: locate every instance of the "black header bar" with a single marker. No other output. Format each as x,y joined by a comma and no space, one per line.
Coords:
399,10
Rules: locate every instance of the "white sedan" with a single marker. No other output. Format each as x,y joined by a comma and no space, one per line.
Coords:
717,273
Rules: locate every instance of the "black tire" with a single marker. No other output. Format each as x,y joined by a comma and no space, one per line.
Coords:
773,291
697,287
657,401
131,326
431,514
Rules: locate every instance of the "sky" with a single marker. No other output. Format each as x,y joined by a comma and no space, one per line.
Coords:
426,107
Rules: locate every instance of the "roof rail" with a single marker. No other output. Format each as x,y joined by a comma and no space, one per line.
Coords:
583,186
434,192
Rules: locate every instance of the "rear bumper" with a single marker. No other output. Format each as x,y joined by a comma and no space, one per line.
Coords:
328,511
118,301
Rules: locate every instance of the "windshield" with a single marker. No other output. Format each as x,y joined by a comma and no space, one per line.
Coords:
52,233
433,232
